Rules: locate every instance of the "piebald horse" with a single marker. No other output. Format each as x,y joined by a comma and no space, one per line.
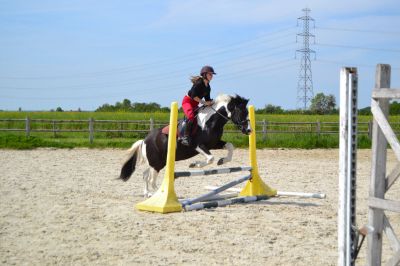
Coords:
208,132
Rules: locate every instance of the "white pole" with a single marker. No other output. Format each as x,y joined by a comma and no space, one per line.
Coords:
281,193
349,169
302,194
347,165
343,153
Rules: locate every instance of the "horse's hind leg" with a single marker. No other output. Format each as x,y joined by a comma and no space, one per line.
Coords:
153,178
228,146
150,179
146,178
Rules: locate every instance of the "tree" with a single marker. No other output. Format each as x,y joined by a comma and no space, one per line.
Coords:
323,104
394,108
365,111
270,109
127,106
59,109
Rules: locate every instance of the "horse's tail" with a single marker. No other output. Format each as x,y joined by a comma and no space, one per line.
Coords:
134,153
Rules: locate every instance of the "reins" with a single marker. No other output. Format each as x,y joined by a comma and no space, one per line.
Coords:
226,118
223,116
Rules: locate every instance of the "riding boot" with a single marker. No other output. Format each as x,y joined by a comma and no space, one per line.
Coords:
186,140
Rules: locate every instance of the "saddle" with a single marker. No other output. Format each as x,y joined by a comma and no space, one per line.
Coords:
181,128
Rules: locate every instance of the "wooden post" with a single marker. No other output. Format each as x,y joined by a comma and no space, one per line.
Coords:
54,128
151,124
378,171
370,126
28,127
91,130
264,129
318,129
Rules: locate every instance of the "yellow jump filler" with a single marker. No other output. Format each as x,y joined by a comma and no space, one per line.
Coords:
165,200
255,186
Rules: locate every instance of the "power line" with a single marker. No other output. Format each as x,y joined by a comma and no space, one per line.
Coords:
214,51
172,87
166,76
358,47
326,61
360,30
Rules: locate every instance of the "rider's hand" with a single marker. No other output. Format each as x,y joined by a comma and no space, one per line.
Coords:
208,103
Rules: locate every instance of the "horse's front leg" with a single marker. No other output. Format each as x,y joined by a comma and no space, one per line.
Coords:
229,147
206,153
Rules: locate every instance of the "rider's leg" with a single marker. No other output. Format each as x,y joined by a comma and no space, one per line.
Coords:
189,106
186,140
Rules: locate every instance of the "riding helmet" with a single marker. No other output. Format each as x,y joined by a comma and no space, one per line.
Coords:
207,69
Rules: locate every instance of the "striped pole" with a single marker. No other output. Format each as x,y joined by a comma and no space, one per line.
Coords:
222,203
212,171
216,191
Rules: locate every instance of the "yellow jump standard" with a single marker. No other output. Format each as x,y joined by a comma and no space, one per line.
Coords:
165,200
255,186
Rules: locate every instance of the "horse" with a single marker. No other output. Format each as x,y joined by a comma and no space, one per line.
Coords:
208,132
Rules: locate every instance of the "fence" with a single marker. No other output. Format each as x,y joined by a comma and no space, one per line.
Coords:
92,126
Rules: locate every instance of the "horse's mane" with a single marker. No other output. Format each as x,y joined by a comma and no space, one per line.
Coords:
223,98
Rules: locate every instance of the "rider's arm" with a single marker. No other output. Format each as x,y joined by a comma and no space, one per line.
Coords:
197,99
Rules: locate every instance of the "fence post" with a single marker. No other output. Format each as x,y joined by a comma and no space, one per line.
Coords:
318,128
377,186
91,130
54,128
264,129
370,123
151,124
28,127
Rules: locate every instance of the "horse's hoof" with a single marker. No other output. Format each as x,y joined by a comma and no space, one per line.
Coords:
192,165
220,161
148,194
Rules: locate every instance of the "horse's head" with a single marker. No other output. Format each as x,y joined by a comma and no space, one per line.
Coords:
237,106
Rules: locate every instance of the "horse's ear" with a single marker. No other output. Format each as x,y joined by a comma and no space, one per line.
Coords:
237,101
241,100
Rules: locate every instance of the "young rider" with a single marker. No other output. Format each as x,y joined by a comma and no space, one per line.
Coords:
200,89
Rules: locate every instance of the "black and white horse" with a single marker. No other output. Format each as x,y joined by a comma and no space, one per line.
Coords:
210,125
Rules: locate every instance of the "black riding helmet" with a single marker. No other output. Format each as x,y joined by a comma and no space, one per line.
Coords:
207,69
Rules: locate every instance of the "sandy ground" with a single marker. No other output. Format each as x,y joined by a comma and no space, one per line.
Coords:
65,207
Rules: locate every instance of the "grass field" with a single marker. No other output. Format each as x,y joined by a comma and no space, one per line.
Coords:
124,140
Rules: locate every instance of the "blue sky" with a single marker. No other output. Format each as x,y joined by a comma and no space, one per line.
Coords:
82,54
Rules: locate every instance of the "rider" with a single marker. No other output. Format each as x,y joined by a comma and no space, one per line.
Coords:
200,89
